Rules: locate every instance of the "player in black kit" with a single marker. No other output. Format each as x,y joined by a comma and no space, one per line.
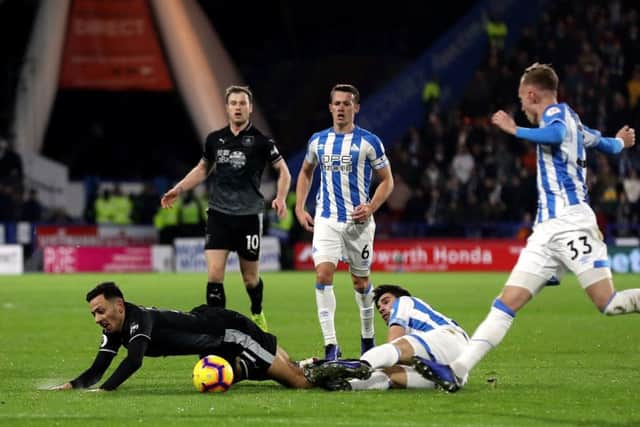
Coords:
232,163
253,353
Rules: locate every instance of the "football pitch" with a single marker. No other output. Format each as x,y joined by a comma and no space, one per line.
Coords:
562,364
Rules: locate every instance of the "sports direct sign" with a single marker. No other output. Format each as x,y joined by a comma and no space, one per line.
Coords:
72,259
431,255
92,235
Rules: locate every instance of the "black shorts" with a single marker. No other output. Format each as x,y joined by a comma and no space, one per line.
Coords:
239,233
242,342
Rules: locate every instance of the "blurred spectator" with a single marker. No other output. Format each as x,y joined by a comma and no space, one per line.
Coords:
416,206
474,103
59,216
623,215
121,207
145,205
431,94
397,200
281,229
31,208
633,87
618,113
413,155
190,219
528,41
102,208
605,193
463,163
529,159
436,211
631,186
166,223
526,228
496,30
7,204
10,165
431,177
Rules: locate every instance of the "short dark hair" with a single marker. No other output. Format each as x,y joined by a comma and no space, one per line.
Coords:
397,291
238,89
341,87
542,76
109,289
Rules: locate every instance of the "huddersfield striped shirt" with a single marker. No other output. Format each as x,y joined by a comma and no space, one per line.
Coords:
415,315
346,162
562,167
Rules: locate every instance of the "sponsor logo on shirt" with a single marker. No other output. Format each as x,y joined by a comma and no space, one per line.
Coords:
237,159
552,111
134,327
104,340
336,163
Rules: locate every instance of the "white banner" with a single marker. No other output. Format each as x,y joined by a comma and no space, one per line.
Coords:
162,258
190,255
11,259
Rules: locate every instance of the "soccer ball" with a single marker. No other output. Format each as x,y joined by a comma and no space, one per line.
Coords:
212,374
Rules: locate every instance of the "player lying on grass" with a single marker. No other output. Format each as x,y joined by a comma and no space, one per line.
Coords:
253,353
415,329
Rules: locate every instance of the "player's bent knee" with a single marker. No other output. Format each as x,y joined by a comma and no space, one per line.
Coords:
360,274
522,279
406,349
593,276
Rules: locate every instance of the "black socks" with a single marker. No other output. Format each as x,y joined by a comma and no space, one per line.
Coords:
217,298
255,294
215,295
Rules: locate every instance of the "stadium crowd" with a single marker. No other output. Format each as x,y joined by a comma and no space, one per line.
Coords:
455,174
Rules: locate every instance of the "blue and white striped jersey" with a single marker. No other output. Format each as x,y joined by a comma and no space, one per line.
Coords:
415,315
562,171
346,161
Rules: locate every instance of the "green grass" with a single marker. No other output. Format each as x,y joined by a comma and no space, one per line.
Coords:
562,364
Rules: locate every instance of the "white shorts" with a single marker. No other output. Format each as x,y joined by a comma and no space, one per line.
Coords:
350,242
571,242
443,344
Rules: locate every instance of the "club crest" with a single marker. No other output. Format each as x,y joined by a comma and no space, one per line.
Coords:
248,141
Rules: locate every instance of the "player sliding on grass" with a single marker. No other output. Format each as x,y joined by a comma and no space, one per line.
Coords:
415,329
566,235
253,353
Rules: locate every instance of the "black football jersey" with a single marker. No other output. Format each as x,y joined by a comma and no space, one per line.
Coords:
169,332
237,163
202,331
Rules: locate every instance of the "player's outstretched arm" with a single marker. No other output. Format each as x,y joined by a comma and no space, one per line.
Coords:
130,364
302,191
65,386
279,204
504,121
90,376
193,178
625,138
